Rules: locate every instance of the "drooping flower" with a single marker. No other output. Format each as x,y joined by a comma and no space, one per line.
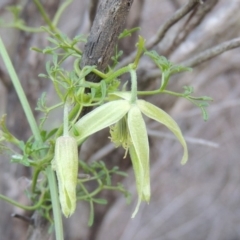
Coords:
130,132
66,166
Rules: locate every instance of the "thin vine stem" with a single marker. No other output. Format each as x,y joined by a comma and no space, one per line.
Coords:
158,91
44,15
60,11
55,204
65,118
23,28
27,208
22,97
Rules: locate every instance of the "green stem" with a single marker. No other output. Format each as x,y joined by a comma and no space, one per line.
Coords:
20,92
154,92
134,86
56,87
147,93
74,113
64,58
111,188
44,15
89,195
100,74
118,73
87,179
76,50
60,11
27,208
172,93
23,28
65,119
35,177
55,204
54,107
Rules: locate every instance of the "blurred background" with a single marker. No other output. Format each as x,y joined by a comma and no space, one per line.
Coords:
197,201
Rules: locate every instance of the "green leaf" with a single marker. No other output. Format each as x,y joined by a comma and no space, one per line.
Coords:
15,10
179,68
5,133
100,201
164,64
206,98
160,61
80,38
48,68
36,49
100,118
55,59
139,176
48,50
52,40
116,56
20,159
162,117
103,91
51,133
128,32
85,71
140,49
188,90
140,44
93,93
204,113
91,214
42,75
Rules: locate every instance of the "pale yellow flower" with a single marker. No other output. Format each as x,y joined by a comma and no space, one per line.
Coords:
130,132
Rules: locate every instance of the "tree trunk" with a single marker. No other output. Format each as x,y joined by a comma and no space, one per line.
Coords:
108,24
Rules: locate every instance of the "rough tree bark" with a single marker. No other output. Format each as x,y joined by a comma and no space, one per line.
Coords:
108,24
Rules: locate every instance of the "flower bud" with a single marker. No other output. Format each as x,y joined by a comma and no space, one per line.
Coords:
66,166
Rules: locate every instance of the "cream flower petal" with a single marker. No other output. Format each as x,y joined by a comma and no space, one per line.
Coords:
159,115
123,95
100,118
66,166
139,176
139,153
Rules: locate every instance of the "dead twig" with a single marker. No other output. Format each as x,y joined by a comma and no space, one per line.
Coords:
175,4
179,14
194,19
212,52
192,140
108,24
23,218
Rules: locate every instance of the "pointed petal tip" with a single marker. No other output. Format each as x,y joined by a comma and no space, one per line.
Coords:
137,208
185,157
183,162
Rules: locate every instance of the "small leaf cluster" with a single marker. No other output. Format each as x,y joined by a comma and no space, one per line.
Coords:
98,173
168,69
